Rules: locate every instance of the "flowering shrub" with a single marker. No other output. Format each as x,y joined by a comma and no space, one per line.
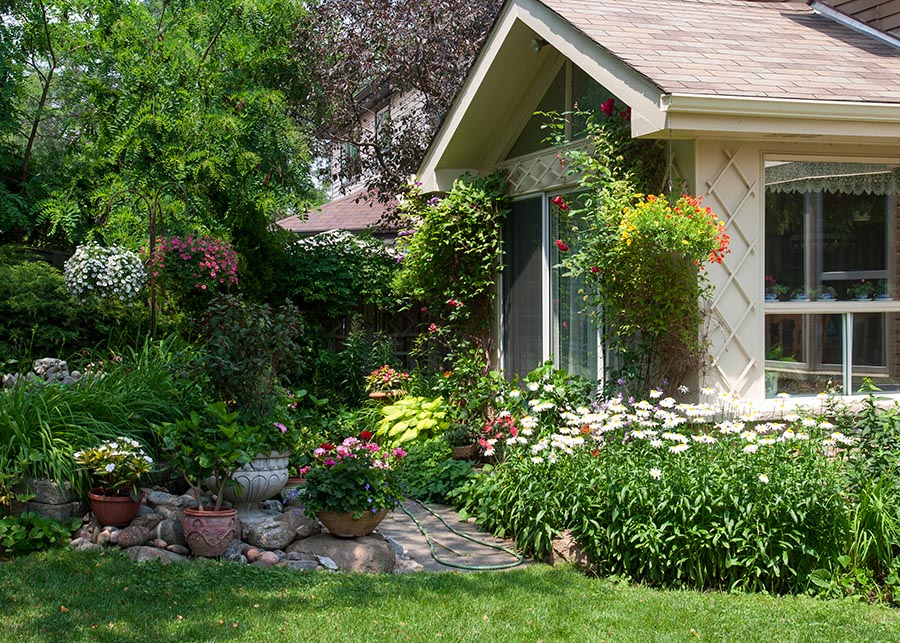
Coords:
194,268
356,476
95,272
675,494
339,270
116,465
385,378
637,255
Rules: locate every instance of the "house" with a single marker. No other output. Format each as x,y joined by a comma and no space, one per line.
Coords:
784,116
349,206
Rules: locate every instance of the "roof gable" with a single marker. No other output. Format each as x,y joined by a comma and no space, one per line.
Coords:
685,67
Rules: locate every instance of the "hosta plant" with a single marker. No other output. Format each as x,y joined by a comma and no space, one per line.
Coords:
412,418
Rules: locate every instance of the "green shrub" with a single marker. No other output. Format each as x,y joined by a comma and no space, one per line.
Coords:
42,427
339,271
31,532
38,314
429,474
247,346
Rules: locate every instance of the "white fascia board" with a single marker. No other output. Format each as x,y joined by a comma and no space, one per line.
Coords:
635,90
481,66
632,88
763,116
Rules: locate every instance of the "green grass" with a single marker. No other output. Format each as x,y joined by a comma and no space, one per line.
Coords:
68,596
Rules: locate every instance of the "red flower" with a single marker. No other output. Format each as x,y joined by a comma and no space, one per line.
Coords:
562,246
609,106
595,269
365,436
560,203
327,446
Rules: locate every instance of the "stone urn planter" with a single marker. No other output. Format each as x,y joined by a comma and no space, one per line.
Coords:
344,525
209,533
113,510
261,479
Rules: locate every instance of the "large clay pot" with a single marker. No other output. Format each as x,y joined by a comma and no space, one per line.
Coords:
344,525
209,533
115,511
260,480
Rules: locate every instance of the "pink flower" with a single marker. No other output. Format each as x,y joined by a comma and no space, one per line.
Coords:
329,462
281,427
432,328
398,452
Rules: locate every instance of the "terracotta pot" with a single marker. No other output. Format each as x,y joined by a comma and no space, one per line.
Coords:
344,525
468,452
386,396
294,483
209,533
115,511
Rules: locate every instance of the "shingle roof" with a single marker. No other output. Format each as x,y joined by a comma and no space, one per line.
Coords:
344,214
743,48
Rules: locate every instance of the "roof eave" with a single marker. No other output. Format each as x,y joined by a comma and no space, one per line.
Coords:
772,116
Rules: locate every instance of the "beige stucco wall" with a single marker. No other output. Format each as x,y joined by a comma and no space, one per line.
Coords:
729,176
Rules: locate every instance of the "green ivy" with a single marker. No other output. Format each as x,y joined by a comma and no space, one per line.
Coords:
450,253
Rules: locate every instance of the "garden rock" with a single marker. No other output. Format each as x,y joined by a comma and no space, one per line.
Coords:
148,521
83,544
181,550
170,531
170,512
252,554
407,565
566,549
302,565
143,554
133,535
303,525
51,500
327,563
185,501
369,554
157,498
271,533
267,559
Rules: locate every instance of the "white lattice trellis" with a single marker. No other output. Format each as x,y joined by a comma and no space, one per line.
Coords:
543,170
732,189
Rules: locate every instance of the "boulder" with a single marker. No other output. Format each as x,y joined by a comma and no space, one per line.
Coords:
566,549
170,531
157,498
270,533
148,521
369,554
303,525
133,535
144,554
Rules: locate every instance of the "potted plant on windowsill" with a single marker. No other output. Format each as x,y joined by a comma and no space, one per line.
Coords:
117,466
882,290
774,290
350,487
861,291
206,446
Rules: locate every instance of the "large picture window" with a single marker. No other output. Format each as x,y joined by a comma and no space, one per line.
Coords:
832,261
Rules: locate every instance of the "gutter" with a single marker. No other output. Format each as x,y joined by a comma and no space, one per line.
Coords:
673,104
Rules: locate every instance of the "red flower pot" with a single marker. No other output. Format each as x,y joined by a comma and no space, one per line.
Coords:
209,533
115,511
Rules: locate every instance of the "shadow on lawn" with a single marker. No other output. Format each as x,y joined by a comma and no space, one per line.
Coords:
64,595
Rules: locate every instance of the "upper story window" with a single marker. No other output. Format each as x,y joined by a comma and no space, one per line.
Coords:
351,165
571,90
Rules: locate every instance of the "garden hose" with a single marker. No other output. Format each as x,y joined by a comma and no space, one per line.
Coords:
448,563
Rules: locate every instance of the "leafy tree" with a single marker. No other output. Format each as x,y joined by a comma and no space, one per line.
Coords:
362,51
181,105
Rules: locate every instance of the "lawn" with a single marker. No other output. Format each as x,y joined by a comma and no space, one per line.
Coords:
68,596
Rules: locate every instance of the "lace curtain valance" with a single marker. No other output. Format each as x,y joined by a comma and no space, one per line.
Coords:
845,178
